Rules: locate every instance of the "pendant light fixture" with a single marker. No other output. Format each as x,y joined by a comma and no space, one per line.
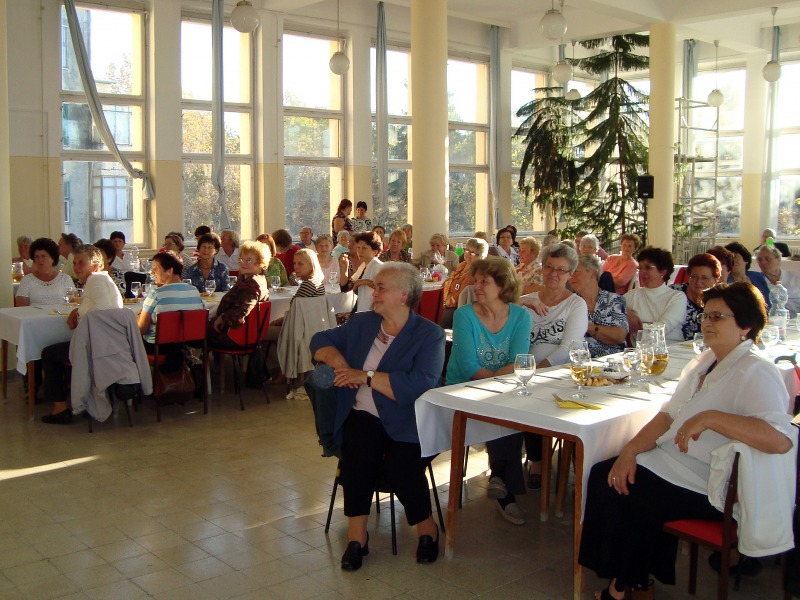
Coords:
244,17
716,98
573,94
339,63
562,71
553,23
772,70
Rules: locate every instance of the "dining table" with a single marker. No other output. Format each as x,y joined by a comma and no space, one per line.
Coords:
457,416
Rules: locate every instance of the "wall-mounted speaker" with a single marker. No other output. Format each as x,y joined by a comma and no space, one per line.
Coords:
644,187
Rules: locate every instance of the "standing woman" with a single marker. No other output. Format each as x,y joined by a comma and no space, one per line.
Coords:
704,271
207,266
623,266
45,284
361,222
396,251
460,278
505,246
367,246
324,257
487,336
341,220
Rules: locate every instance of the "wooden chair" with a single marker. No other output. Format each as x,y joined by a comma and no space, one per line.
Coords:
179,327
720,536
249,338
431,305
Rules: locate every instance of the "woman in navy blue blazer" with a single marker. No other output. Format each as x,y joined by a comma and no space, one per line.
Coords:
383,361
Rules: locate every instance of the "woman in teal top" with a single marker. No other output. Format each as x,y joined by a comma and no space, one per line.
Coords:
487,336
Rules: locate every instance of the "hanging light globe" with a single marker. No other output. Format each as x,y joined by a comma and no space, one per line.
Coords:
553,24
715,98
562,72
772,71
573,95
339,63
244,17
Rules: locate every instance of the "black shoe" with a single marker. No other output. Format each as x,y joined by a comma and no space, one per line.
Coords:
352,557
62,418
749,566
428,548
534,482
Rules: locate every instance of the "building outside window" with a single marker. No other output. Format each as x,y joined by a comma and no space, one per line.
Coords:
785,164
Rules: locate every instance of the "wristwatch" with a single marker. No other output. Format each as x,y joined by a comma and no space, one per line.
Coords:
370,375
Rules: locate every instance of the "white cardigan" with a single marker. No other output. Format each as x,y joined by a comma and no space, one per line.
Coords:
660,304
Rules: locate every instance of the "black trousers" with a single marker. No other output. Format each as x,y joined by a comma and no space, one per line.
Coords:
56,372
172,352
622,535
505,461
370,455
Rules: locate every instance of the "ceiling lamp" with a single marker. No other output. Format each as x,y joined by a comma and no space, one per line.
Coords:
553,23
715,98
573,94
244,17
339,63
772,70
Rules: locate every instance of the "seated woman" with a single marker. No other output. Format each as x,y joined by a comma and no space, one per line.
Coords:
367,246
608,324
384,360
396,251
342,244
487,336
506,247
170,294
623,266
324,257
99,293
439,244
654,301
769,261
381,231
251,288
275,267
742,259
529,269
24,254
109,251
461,278
725,258
703,272
173,242
207,266
286,248
45,284
729,393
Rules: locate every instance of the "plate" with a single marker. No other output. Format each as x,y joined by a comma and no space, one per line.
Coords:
611,376
281,289
130,301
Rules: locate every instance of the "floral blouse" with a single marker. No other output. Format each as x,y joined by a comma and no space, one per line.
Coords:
219,273
609,310
690,323
348,223
529,274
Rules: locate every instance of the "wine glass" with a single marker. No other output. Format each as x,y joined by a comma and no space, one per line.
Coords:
524,369
632,360
648,355
699,343
580,370
333,277
136,289
211,285
145,289
425,273
232,281
69,293
770,336
275,282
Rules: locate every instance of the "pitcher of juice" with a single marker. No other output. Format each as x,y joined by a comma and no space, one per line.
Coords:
659,346
17,273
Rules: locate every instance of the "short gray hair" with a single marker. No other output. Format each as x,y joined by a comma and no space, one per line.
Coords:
531,244
561,250
549,239
343,234
591,240
440,237
772,250
590,262
23,239
231,234
481,245
407,279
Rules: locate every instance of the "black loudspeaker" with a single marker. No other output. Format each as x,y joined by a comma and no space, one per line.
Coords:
644,186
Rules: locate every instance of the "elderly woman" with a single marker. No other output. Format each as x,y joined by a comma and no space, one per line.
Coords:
173,242
487,336
383,361
207,266
703,272
769,261
99,293
529,269
228,253
251,288
381,231
396,251
623,266
368,246
782,247
275,267
324,257
461,278
361,222
342,244
608,324
122,260
66,246
45,284
654,301
285,248
729,393
725,258
169,294
548,239
505,245
341,220
439,244
485,236
24,253
109,251
742,259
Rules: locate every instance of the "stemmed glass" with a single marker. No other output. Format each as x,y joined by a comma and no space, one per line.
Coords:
632,359
524,369
274,282
211,285
232,281
699,343
770,336
69,294
136,289
425,273
581,365
333,277
145,289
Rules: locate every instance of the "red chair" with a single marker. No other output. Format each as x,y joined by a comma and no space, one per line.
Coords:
720,536
249,338
431,305
233,273
682,276
179,327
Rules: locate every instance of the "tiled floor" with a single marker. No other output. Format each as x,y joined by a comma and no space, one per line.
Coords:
233,505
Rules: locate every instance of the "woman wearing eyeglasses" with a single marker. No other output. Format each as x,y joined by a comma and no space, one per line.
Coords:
460,278
653,301
730,393
704,271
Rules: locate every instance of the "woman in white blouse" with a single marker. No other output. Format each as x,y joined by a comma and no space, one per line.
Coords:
45,284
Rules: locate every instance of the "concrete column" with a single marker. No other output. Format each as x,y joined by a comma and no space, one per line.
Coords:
756,214
429,202
6,289
662,134
358,178
506,131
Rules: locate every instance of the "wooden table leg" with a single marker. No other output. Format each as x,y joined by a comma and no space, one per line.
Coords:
4,352
456,468
563,476
577,570
547,459
31,388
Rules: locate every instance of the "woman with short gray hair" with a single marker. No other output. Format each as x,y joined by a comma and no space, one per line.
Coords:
439,243
529,269
460,278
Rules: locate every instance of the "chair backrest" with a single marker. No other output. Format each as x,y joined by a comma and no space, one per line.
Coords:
682,276
233,273
431,305
180,326
255,327
467,296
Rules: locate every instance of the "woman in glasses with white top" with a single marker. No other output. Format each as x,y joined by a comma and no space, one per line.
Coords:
704,271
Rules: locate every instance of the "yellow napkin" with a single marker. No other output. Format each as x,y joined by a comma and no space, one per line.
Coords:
575,404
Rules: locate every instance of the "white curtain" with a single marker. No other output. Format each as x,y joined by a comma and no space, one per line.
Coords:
93,100
218,113
494,125
381,117
689,67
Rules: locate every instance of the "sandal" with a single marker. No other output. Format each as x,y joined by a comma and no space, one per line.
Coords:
605,594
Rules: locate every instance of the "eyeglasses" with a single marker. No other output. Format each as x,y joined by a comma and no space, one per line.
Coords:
647,267
470,252
713,317
701,278
559,270
246,261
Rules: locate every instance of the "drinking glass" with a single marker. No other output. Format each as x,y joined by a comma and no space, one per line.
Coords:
69,293
333,277
232,280
770,336
647,354
425,273
632,360
187,281
17,272
136,289
699,343
211,285
459,248
145,289
524,369
580,369
275,282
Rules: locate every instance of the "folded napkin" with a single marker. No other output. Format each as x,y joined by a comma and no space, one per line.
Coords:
575,404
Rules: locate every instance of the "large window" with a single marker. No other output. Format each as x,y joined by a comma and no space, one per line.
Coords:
312,133
200,204
787,122
99,196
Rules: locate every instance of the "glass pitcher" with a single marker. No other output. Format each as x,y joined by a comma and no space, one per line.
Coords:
17,272
659,338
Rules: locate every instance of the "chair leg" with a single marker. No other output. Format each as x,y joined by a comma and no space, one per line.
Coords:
692,568
237,379
333,496
394,527
724,574
89,419
377,502
436,497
